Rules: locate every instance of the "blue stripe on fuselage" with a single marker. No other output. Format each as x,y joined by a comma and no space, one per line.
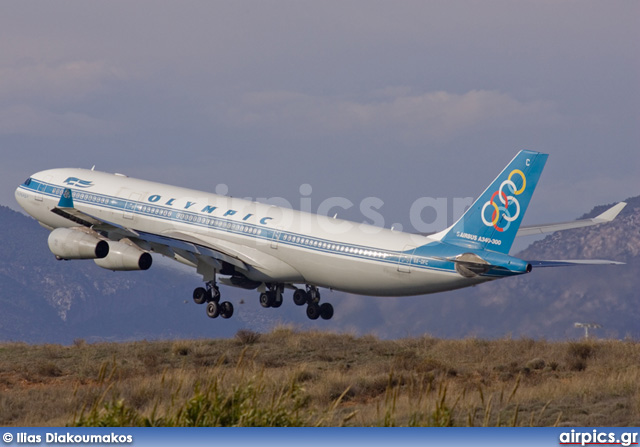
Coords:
425,257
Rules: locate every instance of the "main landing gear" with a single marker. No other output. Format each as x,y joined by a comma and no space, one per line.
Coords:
311,297
211,296
272,297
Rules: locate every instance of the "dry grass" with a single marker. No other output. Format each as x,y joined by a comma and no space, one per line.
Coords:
287,377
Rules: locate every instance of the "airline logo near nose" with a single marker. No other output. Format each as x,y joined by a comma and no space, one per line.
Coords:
75,181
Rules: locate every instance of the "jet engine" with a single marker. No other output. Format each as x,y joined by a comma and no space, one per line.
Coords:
124,255
77,243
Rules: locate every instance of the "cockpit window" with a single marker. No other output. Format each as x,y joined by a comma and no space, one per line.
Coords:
27,182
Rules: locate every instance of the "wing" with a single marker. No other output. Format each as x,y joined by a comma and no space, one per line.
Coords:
605,217
196,250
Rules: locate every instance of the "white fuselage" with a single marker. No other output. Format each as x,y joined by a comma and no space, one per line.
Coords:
279,245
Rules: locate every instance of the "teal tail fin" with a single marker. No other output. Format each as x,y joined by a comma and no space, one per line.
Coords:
493,220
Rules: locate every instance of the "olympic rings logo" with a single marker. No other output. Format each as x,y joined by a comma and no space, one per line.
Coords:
505,202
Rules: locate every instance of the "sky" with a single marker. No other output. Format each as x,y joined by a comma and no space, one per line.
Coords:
395,100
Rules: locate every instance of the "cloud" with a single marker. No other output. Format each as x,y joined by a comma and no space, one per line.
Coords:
437,114
66,82
37,121
47,99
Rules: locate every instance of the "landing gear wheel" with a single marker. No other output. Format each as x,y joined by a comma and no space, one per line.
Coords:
213,310
200,295
300,297
277,302
326,311
226,309
313,311
267,299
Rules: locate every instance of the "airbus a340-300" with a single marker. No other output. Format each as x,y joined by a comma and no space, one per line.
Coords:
118,221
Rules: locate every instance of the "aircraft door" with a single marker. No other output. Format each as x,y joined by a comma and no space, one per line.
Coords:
405,258
276,237
130,205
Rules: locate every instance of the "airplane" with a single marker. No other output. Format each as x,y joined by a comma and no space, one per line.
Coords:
118,221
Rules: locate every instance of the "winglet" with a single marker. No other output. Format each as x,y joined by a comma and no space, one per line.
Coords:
605,217
611,213
66,199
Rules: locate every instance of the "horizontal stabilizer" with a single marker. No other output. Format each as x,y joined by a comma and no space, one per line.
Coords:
605,217
570,262
471,265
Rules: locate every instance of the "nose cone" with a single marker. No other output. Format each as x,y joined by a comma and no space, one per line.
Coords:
20,196
24,195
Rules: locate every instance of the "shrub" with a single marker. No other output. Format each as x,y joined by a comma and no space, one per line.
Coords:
248,403
181,348
536,363
247,337
577,355
49,369
581,350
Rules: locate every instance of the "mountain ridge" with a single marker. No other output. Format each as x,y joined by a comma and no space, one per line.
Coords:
44,300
